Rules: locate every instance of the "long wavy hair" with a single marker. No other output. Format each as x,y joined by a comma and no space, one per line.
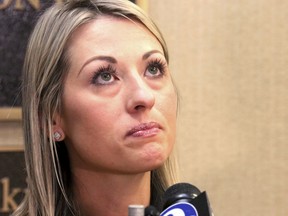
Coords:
46,64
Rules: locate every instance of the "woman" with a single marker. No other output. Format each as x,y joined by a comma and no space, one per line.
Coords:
99,111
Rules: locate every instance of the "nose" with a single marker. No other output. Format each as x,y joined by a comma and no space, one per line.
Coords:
140,96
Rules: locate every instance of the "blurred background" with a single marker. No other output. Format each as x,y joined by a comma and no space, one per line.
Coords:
229,60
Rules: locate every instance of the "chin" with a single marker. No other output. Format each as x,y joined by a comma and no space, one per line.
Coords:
155,161
152,157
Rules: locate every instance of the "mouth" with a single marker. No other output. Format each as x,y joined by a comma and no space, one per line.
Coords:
144,130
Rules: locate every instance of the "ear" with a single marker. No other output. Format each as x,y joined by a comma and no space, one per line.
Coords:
57,130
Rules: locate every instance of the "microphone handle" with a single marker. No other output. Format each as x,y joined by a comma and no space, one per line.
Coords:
136,210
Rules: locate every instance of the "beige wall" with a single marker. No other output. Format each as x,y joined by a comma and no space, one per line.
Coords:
230,62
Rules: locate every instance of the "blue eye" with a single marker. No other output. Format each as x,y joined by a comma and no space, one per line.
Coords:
156,68
104,76
153,69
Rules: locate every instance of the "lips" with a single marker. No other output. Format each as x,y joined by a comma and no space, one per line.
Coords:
144,130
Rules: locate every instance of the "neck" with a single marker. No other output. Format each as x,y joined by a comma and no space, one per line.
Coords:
107,194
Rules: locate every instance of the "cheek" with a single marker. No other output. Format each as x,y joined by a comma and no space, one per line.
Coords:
86,128
82,109
169,104
172,106
87,120
79,115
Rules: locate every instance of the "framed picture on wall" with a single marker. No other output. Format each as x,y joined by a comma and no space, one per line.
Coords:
17,19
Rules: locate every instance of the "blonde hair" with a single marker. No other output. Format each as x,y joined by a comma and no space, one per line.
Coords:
45,67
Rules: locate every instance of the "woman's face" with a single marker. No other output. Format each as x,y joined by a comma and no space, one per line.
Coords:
119,103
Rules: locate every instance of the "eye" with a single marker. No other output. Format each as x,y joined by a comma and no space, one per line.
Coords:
104,76
156,68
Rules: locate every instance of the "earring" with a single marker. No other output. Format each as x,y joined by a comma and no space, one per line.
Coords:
57,136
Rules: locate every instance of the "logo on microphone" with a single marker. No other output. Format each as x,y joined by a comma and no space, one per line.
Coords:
180,209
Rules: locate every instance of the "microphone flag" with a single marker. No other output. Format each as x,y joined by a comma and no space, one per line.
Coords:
180,209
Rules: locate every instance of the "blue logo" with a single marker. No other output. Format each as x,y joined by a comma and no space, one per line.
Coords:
180,209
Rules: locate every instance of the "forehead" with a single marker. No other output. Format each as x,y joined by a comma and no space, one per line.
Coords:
107,32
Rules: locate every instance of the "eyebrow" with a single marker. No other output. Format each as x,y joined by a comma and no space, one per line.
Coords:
99,58
148,54
112,60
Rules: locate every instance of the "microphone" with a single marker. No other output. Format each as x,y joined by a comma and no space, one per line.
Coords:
151,211
136,210
184,199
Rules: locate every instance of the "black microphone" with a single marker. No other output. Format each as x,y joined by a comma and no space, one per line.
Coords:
186,198
151,211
